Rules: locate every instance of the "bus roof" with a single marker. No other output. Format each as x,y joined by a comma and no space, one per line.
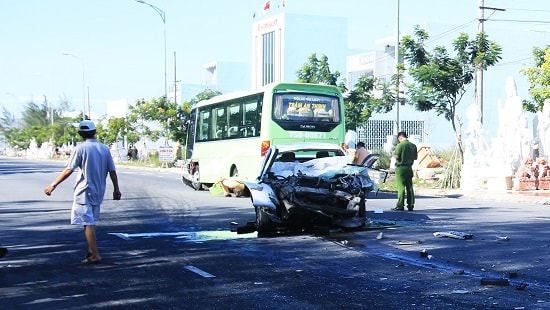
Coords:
228,96
242,94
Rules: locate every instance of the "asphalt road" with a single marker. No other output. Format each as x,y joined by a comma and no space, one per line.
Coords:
165,246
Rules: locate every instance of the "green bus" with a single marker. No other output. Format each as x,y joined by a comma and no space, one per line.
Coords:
229,134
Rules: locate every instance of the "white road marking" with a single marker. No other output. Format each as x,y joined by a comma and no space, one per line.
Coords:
121,236
200,272
190,236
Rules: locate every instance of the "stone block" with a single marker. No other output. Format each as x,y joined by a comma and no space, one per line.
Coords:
525,184
544,183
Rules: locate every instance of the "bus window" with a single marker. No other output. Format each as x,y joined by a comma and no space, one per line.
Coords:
307,112
302,107
203,125
250,119
219,123
234,120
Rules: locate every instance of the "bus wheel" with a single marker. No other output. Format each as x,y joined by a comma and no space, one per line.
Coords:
195,183
264,226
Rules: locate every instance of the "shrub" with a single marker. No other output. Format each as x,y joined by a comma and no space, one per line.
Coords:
384,160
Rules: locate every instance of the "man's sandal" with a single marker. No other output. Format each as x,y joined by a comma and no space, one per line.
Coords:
89,260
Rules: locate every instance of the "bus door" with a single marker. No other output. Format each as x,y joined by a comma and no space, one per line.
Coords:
191,129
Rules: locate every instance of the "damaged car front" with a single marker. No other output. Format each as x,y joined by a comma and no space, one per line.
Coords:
309,184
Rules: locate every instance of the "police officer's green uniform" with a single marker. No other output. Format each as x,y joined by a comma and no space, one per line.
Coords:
406,154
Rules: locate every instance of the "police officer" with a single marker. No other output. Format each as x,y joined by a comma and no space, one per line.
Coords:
405,154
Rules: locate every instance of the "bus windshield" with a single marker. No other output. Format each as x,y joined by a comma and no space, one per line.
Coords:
306,112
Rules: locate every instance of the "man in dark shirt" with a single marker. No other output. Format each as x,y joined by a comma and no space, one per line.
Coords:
405,154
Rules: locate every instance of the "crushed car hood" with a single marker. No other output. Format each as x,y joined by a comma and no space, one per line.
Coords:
331,176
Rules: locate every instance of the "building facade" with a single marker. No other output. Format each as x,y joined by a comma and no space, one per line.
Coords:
282,44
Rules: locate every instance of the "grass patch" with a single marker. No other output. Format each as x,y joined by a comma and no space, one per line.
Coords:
390,186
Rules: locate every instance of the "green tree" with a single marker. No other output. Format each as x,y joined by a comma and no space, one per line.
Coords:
7,120
14,138
117,129
317,71
539,79
361,101
153,118
369,95
203,95
68,131
159,118
34,126
35,115
440,80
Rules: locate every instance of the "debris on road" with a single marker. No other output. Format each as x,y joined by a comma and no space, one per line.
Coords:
522,286
495,281
453,234
462,292
424,253
409,242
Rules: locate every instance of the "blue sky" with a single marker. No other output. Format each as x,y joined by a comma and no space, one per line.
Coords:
121,44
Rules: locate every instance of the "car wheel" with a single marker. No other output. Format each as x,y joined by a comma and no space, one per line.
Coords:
195,180
263,222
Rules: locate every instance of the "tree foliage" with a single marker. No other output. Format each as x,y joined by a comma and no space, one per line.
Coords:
7,120
204,95
117,129
154,119
35,114
157,118
539,79
317,71
368,95
440,80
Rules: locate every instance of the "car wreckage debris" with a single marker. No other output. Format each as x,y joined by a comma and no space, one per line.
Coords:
453,234
310,190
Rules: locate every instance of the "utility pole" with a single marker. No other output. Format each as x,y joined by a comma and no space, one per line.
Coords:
162,15
175,81
479,71
49,106
89,109
397,86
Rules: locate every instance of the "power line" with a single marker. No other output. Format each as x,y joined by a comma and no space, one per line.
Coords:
521,21
513,61
444,33
528,10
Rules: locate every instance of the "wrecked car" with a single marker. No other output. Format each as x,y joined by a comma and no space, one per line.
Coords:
309,184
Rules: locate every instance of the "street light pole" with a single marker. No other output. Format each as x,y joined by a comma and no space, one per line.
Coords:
397,80
163,17
83,84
